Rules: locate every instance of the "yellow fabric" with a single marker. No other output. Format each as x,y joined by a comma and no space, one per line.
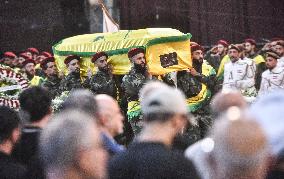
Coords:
224,60
36,81
183,57
133,106
118,43
258,59
37,66
198,98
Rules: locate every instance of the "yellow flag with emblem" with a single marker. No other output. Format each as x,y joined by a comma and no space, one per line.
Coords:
166,49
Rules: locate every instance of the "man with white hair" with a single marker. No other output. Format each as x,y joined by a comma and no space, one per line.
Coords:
238,147
110,122
70,147
150,156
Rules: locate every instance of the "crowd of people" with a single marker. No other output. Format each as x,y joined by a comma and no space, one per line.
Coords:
221,118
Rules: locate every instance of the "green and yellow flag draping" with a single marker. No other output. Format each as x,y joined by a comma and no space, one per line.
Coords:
167,49
196,102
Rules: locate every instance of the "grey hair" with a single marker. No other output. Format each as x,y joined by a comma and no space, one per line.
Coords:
231,160
67,133
81,99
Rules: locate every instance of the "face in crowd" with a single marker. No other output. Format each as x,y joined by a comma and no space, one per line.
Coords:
270,62
233,54
197,56
74,66
30,69
249,47
220,49
139,62
279,50
51,69
101,63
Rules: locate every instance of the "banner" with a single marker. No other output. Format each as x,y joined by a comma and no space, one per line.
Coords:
166,49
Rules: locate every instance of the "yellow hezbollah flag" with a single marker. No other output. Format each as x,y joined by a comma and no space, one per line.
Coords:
166,49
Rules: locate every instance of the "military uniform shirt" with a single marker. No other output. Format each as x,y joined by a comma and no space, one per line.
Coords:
271,80
103,83
70,82
239,75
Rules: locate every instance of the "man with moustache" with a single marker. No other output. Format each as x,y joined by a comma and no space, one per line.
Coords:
72,80
102,82
29,70
279,48
273,77
52,81
251,52
197,84
132,83
239,74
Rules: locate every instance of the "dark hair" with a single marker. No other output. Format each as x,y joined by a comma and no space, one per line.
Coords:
83,100
36,101
162,117
9,120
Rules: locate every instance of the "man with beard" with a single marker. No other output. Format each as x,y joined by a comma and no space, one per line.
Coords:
29,70
52,81
239,74
273,77
72,80
197,84
132,83
251,52
279,48
102,82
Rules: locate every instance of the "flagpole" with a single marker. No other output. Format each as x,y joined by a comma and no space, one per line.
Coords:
107,13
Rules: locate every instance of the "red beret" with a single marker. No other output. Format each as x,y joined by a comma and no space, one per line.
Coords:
47,60
98,55
232,46
134,51
251,41
280,42
27,61
46,54
9,55
33,50
195,47
276,39
223,42
69,58
24,55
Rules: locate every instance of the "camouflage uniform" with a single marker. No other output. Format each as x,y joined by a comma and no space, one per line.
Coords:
192,86
103,83
131,84
71,81
52,85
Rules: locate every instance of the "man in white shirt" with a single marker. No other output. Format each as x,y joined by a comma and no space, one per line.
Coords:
239,74
273,77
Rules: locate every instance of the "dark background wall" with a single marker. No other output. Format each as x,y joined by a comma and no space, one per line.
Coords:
41,23
208,20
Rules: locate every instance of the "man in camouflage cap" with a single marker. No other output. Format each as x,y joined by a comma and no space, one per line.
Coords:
72,80
132,83
52,81
102,82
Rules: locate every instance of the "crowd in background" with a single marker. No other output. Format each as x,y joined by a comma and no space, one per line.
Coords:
219,119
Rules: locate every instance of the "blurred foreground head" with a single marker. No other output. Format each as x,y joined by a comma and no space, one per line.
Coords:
238,147
70,147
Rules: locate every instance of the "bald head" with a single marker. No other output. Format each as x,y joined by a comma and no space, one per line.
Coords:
109,114
226,99
240,146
